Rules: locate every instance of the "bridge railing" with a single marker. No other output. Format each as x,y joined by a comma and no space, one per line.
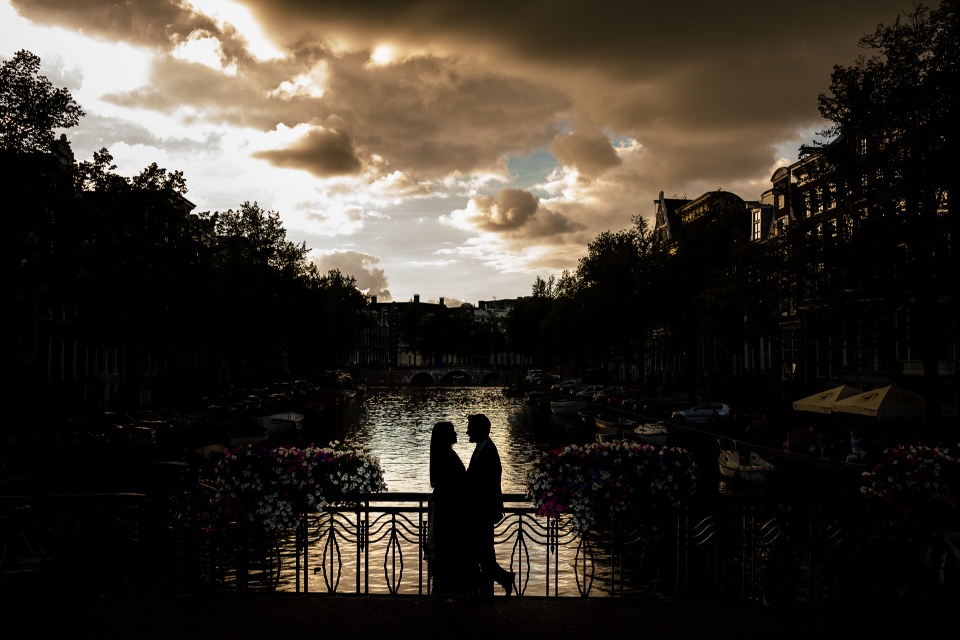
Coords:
713,549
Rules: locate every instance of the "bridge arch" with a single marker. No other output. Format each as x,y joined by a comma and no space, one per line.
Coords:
422,379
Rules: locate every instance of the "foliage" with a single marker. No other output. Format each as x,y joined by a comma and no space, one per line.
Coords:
609,479
272,488
525,321
156,178
891,156
914,484
97,174
30,107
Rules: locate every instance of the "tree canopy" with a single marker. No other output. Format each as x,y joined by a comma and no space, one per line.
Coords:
30,107
892,155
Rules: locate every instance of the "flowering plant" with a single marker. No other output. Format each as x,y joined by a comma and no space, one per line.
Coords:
914,482
272,488
610,478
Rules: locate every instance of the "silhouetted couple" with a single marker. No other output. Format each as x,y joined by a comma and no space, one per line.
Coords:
467,505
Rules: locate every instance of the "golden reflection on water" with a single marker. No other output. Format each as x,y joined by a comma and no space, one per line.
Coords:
395,424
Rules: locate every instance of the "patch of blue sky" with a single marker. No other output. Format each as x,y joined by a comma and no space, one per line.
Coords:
531,170
621,142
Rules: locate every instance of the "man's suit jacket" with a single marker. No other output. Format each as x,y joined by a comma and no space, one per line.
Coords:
483,478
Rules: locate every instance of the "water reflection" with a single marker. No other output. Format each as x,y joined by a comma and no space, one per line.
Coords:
395,424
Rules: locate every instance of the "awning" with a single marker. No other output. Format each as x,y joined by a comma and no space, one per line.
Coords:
885,402
823,402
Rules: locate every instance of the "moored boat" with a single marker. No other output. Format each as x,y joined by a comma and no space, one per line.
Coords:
281,422
654,433
609,434
588,417
566,407
534,398
614,422
613,428
732,464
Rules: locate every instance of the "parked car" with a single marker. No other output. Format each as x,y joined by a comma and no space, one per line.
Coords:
615,400
604,395
674,402
702,412
637,402
558,387
586,392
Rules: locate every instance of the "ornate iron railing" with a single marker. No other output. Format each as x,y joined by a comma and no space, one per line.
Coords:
718,548
711,549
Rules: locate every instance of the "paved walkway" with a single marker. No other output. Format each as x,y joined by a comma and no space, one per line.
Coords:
323,617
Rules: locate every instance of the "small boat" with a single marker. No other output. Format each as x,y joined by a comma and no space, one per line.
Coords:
609,434
534,398
588,417
566,407
732,465
654,433
615,422
281,422
324,402
613,428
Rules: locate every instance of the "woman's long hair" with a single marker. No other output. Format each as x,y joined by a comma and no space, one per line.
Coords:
441,439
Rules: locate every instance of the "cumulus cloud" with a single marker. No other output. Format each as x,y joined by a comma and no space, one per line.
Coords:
371,279
428,132
322,152
512,213
590,154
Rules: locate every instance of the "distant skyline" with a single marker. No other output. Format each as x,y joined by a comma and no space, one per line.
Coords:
448,150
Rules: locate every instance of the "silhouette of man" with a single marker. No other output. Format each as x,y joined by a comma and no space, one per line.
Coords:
483,482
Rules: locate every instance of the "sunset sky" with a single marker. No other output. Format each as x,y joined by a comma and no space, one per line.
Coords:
448,149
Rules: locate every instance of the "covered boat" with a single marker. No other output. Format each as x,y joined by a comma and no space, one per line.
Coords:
281,422
747,467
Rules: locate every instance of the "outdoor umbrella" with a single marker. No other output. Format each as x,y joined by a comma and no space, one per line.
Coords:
885,402
823,402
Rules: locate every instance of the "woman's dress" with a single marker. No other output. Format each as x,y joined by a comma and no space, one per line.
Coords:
452,572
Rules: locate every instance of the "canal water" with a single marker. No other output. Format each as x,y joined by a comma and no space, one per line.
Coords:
395,425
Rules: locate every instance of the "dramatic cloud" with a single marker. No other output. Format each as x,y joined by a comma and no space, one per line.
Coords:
322,152
499,137
371,280
590,154
512,213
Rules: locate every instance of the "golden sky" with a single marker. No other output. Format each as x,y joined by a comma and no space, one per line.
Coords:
450,149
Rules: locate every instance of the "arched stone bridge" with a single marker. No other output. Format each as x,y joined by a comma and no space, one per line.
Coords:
443,376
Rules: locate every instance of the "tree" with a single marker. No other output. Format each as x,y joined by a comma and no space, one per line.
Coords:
326,328
892,157
156,178
30,107
98,174
525,321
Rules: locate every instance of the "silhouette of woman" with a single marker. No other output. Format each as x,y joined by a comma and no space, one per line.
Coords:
450,558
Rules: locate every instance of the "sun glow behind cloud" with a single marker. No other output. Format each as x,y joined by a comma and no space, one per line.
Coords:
311,84
383,55
238,16
393,132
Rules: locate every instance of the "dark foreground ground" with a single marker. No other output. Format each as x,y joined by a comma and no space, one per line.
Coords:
320,617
